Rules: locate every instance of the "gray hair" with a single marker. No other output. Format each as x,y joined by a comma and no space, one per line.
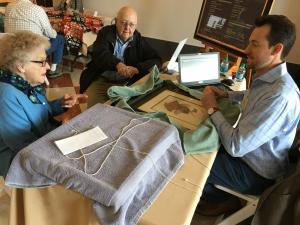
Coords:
17,48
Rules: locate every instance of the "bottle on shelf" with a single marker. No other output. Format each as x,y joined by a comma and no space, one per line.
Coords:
224,65
240,74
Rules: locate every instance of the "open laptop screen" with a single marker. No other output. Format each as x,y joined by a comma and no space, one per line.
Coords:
201,68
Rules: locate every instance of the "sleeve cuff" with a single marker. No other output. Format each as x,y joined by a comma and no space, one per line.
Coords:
217,118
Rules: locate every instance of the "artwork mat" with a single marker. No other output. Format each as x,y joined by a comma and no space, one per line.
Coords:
194,106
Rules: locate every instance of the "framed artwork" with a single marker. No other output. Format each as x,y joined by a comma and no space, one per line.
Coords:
186,111
228,24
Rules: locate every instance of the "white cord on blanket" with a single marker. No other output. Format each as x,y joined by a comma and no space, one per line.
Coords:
122,134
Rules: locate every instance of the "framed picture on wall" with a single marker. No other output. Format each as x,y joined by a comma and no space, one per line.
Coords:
228,24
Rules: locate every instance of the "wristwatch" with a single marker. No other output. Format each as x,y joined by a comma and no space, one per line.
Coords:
212,110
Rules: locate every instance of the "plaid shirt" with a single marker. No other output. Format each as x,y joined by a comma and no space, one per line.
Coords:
24,15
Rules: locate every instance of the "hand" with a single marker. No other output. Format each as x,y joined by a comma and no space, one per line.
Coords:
132,70
122,70
69,100
126,71
216,91
210,94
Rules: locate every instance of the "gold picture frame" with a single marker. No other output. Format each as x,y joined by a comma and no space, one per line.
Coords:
186,111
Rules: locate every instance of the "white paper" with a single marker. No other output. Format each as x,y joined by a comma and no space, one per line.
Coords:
176,54
79,141
173,67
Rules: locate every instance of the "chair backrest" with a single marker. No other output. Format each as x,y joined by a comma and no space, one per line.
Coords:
279,203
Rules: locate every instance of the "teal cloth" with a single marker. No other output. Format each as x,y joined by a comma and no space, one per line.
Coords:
121,94
203,139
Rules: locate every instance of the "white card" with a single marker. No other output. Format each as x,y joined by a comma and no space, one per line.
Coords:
79,141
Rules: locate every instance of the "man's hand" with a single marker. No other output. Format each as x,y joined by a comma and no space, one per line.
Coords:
210,95
122,70
216,91
126,71
132,70
69,100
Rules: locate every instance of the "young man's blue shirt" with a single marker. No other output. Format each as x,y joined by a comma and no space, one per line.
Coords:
268,123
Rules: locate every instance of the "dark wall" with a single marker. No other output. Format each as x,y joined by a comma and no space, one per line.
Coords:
167,48
294,70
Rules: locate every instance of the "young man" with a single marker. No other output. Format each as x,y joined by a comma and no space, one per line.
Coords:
255,153
120,54
26,15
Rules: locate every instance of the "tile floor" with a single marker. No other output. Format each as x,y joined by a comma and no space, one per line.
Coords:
69,83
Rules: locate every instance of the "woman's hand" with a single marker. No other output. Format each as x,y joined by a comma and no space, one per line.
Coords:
69,100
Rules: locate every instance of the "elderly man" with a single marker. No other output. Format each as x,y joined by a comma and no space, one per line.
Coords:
25,15
255,153
120,54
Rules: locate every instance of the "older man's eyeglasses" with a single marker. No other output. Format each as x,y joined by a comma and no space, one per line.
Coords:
43,63
125,23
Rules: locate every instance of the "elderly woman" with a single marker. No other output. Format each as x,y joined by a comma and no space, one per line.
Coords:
25,112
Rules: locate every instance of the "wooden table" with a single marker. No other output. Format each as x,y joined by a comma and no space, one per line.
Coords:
174,206
177,203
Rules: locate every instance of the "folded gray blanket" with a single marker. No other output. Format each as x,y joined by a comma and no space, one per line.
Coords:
131,177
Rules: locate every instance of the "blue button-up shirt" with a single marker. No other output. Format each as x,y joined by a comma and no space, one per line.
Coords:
268,123
120,47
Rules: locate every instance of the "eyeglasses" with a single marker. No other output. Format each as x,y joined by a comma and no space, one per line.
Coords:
125,23
43,63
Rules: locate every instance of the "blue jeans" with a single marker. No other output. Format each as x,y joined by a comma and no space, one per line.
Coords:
57,48
235,174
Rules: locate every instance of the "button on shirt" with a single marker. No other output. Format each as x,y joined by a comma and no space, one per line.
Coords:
120,47
24,15
268,123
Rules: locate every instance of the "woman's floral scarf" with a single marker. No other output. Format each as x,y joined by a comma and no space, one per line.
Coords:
18,82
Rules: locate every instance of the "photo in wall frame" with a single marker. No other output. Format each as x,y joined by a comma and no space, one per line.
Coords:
183,110
228,24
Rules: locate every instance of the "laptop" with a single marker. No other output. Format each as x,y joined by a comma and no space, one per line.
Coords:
172,65
199,69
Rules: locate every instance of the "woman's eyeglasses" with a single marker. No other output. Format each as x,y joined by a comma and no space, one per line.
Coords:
43,63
